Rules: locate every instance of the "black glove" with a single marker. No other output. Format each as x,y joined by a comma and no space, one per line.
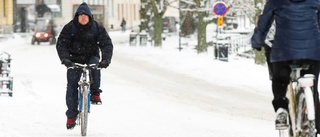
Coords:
258,49
67,62
104,64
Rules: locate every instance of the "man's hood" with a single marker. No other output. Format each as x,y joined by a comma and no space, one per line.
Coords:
83,9
297,1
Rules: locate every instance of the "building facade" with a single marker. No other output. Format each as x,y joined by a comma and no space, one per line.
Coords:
107,12
6,16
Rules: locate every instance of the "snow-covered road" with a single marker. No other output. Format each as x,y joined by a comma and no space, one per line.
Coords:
140,99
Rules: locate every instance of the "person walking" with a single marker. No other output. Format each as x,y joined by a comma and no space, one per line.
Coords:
81,41
123,25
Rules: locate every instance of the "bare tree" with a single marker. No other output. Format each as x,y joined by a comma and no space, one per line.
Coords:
194,14
200,10
187,18
145,15
158,9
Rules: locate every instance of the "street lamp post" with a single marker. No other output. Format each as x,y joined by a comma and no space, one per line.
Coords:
180,48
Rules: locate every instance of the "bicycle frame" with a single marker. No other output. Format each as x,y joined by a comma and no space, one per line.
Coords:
84,95
6,80
84,101
84,87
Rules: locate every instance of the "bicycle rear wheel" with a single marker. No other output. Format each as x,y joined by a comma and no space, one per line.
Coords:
85,112
305,127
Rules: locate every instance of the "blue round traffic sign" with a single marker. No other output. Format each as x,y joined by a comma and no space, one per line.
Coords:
220,8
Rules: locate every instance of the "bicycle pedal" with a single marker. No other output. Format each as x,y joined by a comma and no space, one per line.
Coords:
70,127
282,127
96,102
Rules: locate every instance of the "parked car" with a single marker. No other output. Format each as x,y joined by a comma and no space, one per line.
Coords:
44,32
169,24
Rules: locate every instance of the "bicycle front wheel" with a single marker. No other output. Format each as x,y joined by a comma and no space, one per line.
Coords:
84,112
305,127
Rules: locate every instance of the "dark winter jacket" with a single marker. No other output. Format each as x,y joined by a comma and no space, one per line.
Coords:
297,29
84,44
123,23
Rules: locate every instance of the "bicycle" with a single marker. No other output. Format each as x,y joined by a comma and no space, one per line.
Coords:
84,95
6,80
301,102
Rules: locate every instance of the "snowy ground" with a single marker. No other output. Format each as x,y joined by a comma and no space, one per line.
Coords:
148,92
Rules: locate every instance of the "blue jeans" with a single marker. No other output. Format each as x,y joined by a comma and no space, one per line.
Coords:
73,77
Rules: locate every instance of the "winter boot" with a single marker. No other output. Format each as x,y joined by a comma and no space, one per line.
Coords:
95,98
71,123
281,120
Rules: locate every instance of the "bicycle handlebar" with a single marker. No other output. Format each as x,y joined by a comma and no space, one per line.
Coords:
87,66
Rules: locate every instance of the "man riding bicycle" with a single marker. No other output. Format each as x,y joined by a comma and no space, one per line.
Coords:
297,37
81,41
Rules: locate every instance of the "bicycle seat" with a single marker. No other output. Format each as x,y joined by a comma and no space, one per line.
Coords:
304,64
298,65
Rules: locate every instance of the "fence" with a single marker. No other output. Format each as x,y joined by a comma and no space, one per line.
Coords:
239,44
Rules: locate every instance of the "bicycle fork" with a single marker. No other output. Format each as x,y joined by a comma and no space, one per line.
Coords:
80,102
306,83
80,98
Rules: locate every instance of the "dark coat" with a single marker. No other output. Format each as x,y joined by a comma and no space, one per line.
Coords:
297,29
123,23
83,45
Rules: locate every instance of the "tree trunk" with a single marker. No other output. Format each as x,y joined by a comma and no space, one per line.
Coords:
202,39
259,55
144,15
157,18
157,31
